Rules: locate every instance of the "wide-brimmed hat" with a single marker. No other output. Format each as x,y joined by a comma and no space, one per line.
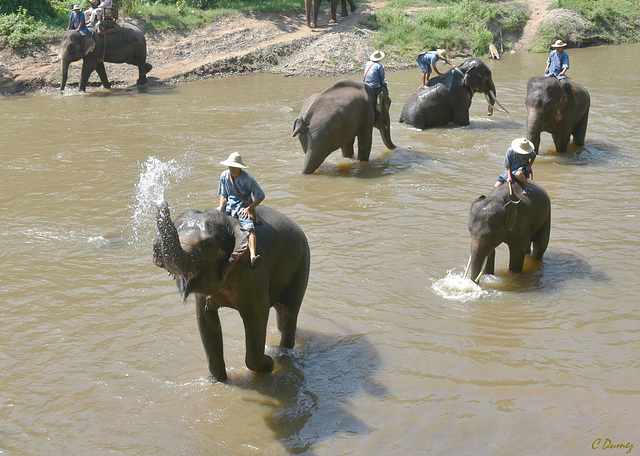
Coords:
522,145
75,7
234,161
442,53
558,44
377,55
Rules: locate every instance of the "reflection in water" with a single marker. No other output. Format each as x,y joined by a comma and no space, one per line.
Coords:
396,353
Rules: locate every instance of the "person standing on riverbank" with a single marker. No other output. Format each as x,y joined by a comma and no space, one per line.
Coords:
235,189
427,61
558,62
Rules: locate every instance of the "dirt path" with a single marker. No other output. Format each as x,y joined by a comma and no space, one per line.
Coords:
538,13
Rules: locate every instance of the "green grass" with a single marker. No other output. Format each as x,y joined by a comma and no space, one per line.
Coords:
445,24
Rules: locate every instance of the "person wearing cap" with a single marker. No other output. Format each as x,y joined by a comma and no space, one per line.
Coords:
236,187
427,61
77,22
517,162
558,61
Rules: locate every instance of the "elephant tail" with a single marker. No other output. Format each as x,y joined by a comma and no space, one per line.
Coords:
299,126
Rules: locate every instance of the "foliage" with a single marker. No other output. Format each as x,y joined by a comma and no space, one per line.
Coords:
22,31
448,24
35,8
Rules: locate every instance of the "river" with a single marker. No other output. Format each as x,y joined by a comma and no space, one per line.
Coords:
396,353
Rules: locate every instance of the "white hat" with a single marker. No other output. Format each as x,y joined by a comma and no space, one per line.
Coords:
442,53
376,56
522,145
234,161
75,7
558,44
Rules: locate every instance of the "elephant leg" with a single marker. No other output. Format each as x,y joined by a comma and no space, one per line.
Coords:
87,69
541,240
254,317
316,10
334,10
580,130
211,335
353,6
102,72
516,258
364,144
287,311
343,8
142,74
347,149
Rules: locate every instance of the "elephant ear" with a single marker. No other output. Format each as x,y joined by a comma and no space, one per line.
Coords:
240,248
511,207
88,45
383,103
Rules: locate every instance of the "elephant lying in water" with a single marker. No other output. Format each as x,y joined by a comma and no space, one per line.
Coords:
201,251
332,119
518,220
447,98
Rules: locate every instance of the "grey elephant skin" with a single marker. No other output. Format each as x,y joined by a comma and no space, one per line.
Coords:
313,7
127,45
447,98
518,220
557,110
197,250
334,118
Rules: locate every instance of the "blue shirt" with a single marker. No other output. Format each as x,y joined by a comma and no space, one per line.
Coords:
374,74
76,20
246,184
514,161
426,60
557,62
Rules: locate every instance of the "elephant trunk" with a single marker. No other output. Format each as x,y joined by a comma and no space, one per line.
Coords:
65,62
385,131
477,262
534,127
174,258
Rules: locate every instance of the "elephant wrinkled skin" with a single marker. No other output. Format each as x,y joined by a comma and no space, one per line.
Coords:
558,110
447,98
127,45
201,251
332,119
518,220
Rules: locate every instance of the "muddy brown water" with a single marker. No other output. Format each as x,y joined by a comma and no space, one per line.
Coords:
396,353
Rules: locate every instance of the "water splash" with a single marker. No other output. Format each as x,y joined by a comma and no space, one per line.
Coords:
156,178
455,287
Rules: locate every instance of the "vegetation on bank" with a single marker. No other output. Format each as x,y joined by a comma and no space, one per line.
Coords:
406,27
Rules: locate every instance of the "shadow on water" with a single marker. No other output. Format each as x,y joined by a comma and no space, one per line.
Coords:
314,385
546,275
387,163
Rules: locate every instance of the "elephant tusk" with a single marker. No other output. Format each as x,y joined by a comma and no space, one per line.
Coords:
484,266
466,271
493,94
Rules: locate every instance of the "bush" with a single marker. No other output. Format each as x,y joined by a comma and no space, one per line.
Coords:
35,8
22,31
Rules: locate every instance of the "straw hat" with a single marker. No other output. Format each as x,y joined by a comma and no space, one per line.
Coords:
522,145
376,56
558,44
76,7
234,161
442,53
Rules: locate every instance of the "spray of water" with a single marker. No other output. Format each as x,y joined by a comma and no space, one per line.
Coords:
156,178
454,286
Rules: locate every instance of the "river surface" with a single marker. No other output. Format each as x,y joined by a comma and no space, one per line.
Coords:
396,353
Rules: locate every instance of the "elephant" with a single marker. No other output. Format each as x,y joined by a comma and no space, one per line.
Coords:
312,11
205,252
447,98
127,45
561,109
333,118
515,219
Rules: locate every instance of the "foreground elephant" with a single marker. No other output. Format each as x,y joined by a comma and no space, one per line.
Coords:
517,220
332,119
447,98
197,249
127,45
561,111
312,11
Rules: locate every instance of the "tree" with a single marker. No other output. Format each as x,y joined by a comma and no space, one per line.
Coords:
36,8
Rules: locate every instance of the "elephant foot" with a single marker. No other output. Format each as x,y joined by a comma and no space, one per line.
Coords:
141,81
220,376
267,365
332,22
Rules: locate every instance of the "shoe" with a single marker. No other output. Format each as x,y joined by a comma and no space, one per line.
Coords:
526,191
255,261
